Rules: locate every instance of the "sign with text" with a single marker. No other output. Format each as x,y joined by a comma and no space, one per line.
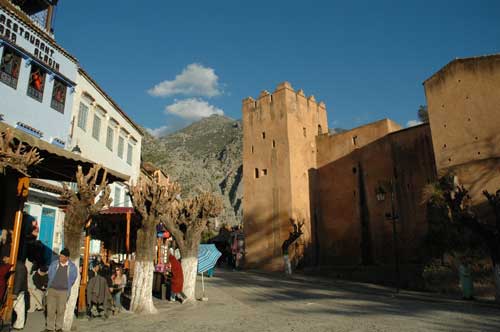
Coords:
21,34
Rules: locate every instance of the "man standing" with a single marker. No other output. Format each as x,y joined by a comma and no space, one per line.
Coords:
62,276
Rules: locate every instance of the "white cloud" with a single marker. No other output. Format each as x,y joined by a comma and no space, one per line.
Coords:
195,80
413,123
192,109
160,131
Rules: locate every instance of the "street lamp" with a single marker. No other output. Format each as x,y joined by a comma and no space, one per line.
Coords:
393,216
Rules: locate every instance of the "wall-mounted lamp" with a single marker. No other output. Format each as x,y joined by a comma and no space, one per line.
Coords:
76,149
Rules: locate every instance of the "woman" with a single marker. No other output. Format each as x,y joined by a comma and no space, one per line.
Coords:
119,281
177,281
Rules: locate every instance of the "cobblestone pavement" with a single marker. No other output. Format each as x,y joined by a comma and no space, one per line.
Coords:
246,301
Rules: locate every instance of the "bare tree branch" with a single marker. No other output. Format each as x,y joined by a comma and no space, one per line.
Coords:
16,155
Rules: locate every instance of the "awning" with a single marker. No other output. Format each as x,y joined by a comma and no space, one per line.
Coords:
57,164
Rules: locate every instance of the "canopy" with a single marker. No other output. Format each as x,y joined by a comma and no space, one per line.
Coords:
57,164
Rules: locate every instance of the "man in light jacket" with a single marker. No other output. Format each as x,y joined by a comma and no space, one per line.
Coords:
62,276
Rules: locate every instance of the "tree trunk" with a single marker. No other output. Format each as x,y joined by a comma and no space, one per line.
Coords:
142,288
142,285
72,240
496,271
69,314
189,268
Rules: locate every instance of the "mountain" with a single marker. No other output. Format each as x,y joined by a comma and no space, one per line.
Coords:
205,156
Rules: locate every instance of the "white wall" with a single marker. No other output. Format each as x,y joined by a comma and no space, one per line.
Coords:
96,149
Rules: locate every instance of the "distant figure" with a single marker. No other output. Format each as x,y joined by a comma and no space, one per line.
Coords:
177,281
62,276
20,292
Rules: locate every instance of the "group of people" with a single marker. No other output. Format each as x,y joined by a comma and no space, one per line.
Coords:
39,288
105,288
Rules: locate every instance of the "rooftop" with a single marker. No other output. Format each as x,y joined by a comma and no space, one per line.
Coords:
475,59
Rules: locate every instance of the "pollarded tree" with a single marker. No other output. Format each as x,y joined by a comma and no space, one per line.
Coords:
90,197
186,221
16,155
151,200
455,201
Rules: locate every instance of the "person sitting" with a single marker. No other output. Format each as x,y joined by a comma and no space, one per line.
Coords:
119,281
37,294
98,295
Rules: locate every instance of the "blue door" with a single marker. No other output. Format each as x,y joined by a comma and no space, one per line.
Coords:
47,223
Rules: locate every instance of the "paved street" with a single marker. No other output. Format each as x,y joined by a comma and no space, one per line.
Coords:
244,301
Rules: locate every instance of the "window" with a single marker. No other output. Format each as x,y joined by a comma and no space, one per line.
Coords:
264,172
257,173
121,143
36,82
304,132
82,116
118,195
109,138
355,140
320,130
128,202
58,96
252,149
274,144
130,150
263,135
96,127
9,67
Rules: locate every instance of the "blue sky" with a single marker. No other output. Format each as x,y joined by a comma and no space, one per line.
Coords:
168,63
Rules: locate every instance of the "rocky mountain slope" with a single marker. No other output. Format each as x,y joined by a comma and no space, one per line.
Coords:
207,155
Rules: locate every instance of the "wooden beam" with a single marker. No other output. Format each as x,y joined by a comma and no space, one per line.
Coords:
22,194
82,305
50,14
127,241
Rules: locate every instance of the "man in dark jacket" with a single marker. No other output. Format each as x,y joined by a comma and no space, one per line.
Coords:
20,290
98,295
40,281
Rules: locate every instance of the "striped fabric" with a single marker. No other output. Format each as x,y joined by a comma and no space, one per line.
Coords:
207,257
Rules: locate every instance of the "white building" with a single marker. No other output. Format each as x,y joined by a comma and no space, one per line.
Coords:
45,94
37,81
105,134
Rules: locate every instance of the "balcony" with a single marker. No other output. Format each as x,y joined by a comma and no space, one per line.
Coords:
33,7
39,11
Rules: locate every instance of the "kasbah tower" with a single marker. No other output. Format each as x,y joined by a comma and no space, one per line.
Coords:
279,152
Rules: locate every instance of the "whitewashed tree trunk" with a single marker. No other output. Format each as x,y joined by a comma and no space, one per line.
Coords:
189,268
69,314
496,271
142,289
